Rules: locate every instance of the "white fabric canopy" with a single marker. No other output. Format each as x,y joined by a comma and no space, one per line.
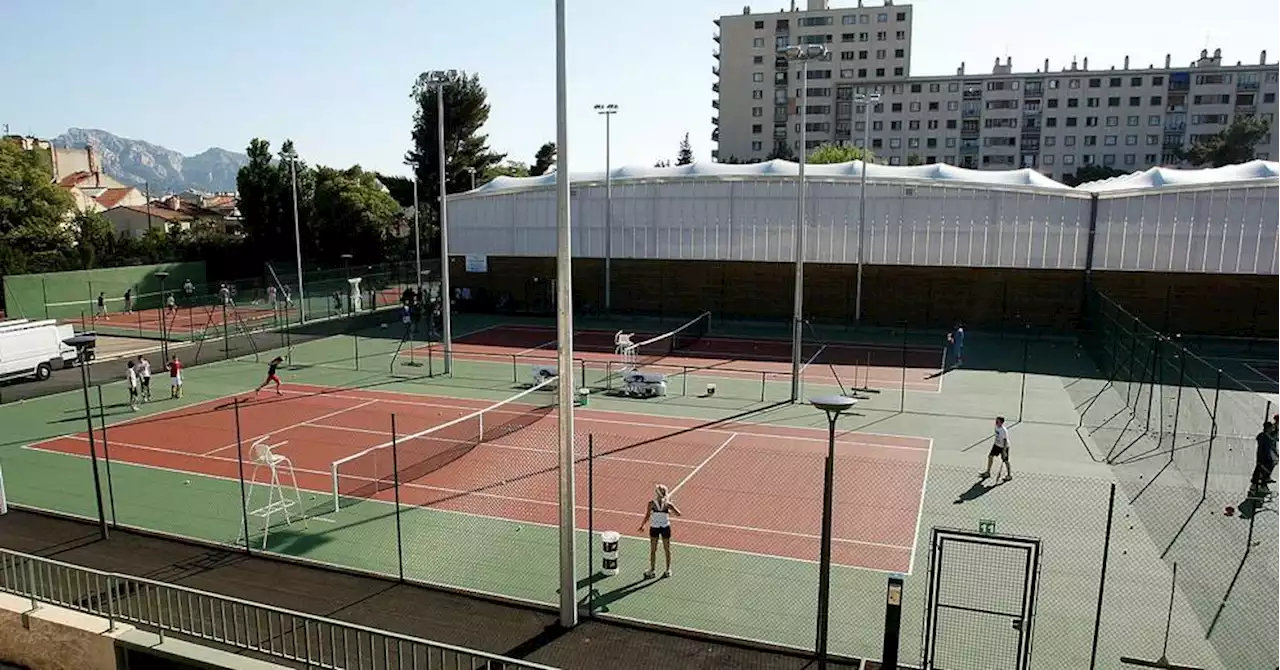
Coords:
1158,177
937,172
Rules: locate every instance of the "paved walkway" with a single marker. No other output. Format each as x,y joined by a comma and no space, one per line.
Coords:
510,630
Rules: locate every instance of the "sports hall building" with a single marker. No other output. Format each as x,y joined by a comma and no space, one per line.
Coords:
1190,251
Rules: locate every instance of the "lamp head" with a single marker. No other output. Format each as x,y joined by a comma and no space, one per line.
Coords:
81,341
833,404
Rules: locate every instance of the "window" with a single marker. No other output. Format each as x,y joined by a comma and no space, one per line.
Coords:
880,54
849,19
819,74
757,94
757,77
935,88
817,109
877,143
1113,102
898,71
1087,159
1157,81
1130,159
757,111
895,160
879,72
1150,158
902,16
882,17
951,124
862,72
757,43
913,125
781,42
1001,123
1109,159
915,106
900,53
1053,84
931,124
1135,101
913,142
1051,122
847,55
1091,102
1091,140
1135,81
864,19
901,34
1199,119
757,60
933,105
1131,140
1156,100
757,146
846,74
1203,79
1047,159
1050,141
862,55
931,142
1072,103
1069,141
953,105
895,125
895,143
756,129
848,37
1071,122
1053,103
810,21
896,107
951,142
1268,98
1133,120
1074,83
1153,120
1090,121
930,160
1114,83
1069,159
1153,140
1113,121
881,36
1211,99
877,125
1110,140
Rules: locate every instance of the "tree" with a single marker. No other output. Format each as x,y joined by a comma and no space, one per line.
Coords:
401,188
32,212
466,109
662,162
830,153
685,155
94,239
1090,173
543,160
781,151
507,169
352,214
914,159
1232,145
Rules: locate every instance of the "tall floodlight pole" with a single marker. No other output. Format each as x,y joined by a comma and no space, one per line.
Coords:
834,406
417,234
608,111
866,100
803,54
440,78
297,236
564,335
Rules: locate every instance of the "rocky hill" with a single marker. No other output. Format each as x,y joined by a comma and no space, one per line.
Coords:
164,170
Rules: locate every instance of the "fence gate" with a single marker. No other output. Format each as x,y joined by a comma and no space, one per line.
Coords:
981,601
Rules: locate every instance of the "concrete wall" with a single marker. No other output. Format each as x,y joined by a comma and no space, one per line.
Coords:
52,638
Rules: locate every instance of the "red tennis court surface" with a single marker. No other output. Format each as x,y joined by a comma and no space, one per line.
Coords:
742,487
880,366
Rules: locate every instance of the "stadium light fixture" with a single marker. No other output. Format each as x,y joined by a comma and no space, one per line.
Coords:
867,100
83,343
804,54
607,111
439,79
834,406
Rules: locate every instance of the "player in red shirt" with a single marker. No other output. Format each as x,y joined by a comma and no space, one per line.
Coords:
175,377
271,376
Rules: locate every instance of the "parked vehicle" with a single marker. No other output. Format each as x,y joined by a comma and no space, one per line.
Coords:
35,349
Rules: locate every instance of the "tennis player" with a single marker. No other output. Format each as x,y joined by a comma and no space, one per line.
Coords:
175,377
955,341
657,515
144,374
271,376
999,447
102,305
128,301
131,377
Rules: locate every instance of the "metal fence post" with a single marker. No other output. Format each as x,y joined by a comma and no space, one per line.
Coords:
395,487
244,498
106,457
1026,346
591,525
1102,577
902,393
1213,434
357,346
1177,403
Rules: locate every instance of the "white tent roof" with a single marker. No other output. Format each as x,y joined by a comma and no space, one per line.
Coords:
936,172
1158,177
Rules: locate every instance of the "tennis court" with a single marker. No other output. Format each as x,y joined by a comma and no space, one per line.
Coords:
689,349
744,488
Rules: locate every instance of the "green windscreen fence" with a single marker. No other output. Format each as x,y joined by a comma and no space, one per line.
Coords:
65,295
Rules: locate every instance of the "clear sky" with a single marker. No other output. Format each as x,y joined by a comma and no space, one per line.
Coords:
335,75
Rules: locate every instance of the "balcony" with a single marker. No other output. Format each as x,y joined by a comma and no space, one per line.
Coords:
779,133
715,69
1171,141
1032,92
716,37
716,54
972,93
1030,131
970,113
1179,85
1175,126
1246,109
715,103
715,135
715,87
969,150
780,115
1175,109
1242,85
715,121
780,62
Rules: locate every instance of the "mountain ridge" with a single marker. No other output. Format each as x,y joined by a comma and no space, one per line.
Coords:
138,162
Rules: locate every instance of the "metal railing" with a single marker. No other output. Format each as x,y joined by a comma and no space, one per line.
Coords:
315,641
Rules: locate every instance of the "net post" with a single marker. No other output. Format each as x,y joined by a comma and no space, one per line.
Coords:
357,347
244,496
395,487
1177,404
684,380
1213,434
764,384
591,525
515,370
1026,346
1102,578
902,393
582,363
106,456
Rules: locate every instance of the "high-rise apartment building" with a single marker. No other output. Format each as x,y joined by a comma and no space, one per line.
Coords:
1055,122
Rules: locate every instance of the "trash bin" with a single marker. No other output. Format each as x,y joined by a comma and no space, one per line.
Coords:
583,396
609,552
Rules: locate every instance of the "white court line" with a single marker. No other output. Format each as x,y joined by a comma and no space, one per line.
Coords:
703,463
915,538
1260,373
813,358
647,424
291,426
540,347
481,494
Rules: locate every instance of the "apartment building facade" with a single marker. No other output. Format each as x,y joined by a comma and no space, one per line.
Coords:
1055,122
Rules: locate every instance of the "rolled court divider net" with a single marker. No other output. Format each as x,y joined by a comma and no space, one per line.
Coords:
657,348
403,459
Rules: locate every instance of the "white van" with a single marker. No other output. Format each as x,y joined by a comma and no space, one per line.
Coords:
35,349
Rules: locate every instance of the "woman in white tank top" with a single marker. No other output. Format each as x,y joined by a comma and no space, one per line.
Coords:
657,516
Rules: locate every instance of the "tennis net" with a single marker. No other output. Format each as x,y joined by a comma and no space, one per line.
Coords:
657,348
404,459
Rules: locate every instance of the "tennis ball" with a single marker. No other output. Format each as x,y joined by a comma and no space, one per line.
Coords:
186,482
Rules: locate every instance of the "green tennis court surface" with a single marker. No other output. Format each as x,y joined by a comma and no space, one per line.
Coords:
744,556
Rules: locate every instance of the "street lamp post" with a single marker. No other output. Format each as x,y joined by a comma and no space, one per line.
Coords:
439,79
608,110
297,237
83,343
417,234
866,100
164,337
472,171
834,406
803,54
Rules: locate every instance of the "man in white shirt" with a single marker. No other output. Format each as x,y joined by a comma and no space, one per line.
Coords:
999,447
144,374
131,376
